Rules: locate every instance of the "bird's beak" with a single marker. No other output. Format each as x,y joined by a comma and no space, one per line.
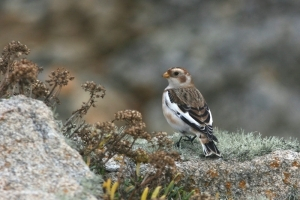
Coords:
166,75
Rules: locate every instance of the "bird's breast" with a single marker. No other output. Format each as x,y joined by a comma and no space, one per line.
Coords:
171,117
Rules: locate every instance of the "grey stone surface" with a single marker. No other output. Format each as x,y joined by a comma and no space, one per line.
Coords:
271,176
35,161
275,175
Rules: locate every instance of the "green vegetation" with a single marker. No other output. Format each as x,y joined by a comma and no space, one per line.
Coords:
240,146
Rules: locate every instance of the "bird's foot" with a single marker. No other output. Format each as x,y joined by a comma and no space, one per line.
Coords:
185,138
177,144
189,138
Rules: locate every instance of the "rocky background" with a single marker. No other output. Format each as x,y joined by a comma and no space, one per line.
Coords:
243,55
35,160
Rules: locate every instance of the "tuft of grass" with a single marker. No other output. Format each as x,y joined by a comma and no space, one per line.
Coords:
245,146
240,146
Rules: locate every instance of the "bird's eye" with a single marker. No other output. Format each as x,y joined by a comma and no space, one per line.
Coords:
176,73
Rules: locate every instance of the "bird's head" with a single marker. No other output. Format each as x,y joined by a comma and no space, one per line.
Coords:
178,78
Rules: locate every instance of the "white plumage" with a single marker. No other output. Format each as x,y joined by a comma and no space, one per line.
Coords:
186,110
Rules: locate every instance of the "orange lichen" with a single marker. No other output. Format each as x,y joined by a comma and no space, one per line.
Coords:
275,163
242,184
286,177
213,173
197,191
269,194
295,185
228,185
295,164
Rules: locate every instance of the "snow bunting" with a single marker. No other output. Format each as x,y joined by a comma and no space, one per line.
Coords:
186,110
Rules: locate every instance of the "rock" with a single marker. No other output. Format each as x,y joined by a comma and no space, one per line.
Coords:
275,175
243,171
35,161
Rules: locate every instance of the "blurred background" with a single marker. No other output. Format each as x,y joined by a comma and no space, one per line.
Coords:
244,55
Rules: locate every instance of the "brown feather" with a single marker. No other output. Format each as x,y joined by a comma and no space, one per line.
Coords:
191,100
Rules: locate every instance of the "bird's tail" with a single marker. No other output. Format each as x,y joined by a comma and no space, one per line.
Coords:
210,148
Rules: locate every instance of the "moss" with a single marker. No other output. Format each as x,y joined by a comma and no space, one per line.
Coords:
239,146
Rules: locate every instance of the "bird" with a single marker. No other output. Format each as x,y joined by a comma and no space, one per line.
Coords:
186,110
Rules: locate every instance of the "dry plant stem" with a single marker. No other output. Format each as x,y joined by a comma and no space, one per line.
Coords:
50,93
77,129
71,118
158,173
70,127
5,83
21,88
53,94
93,149
88,102
77,114
4,87
121,169
57,92
110,145
131,145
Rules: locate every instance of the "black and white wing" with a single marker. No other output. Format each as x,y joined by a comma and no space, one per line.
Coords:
189,105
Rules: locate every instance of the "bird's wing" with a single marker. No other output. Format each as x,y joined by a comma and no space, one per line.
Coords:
190,106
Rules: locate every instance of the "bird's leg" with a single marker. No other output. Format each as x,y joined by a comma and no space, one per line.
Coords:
192,140
189,138
178,143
